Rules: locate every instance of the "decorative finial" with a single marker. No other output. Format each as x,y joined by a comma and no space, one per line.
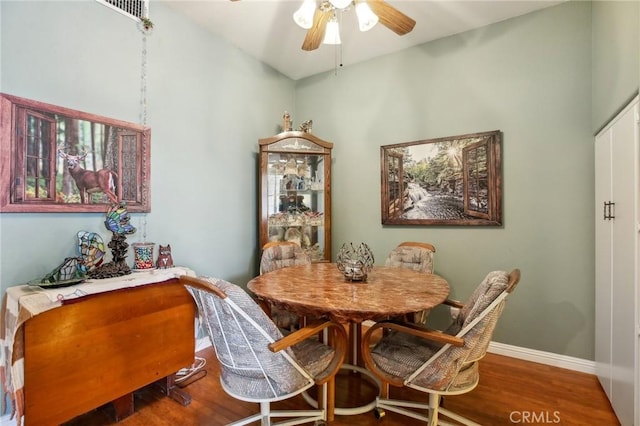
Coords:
306,126
286,122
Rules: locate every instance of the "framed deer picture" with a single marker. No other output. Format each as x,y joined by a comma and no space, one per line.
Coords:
56,159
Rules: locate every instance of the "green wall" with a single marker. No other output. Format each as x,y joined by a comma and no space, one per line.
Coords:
616,49
538,79
208,103
528,77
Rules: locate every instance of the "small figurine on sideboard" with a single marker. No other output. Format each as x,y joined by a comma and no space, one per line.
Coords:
164,257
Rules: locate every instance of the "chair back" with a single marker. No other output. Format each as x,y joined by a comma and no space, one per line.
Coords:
281,254
241,332
453,367
412,255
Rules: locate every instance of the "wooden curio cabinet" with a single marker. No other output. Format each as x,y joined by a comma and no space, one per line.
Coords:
295,192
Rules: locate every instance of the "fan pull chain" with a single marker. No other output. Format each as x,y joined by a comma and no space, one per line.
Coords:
337,52
143,80
143,99
337,58
144,228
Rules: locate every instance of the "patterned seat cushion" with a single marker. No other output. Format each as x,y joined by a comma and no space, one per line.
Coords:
400,354
282,255
493,284
416,258
313,356
249,369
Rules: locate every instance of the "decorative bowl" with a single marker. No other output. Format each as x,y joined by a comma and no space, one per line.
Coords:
355,262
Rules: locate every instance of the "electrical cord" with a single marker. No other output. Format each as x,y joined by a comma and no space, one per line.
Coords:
195,372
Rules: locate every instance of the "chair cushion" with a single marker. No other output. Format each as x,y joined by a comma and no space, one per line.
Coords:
416,258
281,256
491,287
401,354
313,356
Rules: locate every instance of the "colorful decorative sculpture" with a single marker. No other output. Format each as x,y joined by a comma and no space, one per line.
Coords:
69,272
118,219
88,264
73,270
143,256
91,249
117,222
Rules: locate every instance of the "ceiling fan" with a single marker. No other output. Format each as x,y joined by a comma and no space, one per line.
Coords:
319,18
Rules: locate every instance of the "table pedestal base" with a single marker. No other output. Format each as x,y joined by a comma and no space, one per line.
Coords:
359,374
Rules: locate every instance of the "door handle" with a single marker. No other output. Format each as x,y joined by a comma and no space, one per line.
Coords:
607,210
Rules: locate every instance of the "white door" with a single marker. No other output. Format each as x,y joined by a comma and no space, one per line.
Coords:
624,336
637,261
603,253
617,247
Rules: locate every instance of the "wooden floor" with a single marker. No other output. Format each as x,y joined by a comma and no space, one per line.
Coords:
510,392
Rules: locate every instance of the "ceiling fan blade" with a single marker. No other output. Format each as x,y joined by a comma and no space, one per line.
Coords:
391,17
315,34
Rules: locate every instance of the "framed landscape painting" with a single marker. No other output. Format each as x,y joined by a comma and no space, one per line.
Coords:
453,180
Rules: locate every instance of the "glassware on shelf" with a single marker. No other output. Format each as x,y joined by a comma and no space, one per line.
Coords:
294,190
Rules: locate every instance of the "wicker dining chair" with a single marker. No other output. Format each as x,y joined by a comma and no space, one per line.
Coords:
276,255
434,362
413,255
417,256
259,364
280,254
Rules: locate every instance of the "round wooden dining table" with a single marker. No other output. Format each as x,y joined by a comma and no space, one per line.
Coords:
321,290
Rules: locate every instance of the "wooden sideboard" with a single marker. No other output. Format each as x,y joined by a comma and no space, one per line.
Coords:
103,347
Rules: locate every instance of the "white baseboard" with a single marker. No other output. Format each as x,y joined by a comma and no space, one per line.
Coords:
541,357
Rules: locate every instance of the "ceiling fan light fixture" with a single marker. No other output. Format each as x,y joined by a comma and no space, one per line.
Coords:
366,18
304,15
332,33
340,4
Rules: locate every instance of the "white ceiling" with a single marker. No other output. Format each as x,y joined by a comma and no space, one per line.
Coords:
265,29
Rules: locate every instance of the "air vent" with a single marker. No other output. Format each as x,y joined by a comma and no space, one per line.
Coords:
136,9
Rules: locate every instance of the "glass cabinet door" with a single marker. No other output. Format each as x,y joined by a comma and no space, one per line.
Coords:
295,192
